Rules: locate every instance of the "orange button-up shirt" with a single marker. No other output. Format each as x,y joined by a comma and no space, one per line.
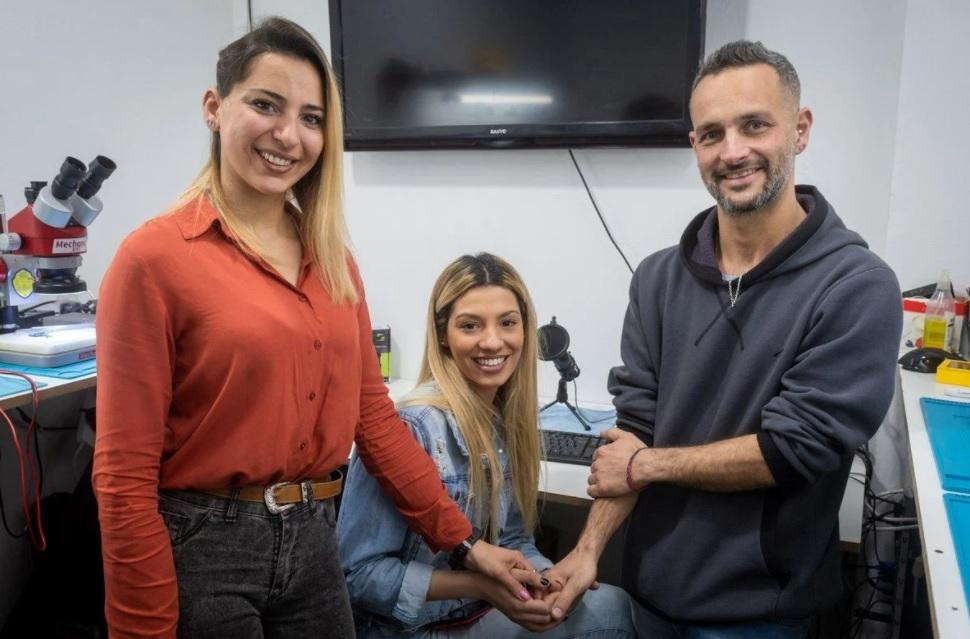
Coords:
214,371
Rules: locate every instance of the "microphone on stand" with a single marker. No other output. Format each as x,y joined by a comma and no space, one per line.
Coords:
554,347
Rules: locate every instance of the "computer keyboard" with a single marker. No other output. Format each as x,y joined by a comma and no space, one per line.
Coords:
570,448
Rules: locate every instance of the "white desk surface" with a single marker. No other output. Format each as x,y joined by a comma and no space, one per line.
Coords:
948,605
567,482
55,387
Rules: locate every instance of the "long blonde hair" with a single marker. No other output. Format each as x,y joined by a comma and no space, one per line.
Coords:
516,403
318,194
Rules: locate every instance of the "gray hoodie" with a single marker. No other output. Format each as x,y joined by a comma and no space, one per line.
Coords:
806,360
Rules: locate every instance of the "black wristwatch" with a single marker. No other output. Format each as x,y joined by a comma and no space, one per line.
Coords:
458,555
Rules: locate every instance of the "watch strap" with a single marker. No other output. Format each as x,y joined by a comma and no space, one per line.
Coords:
456,560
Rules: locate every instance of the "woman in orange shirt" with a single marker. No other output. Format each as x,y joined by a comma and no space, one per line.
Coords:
235,369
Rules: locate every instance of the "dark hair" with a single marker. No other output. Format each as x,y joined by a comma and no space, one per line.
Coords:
742,53
272,35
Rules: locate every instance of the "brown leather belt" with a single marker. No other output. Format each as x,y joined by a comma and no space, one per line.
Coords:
279,497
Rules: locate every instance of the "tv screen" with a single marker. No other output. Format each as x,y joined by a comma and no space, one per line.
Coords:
515,73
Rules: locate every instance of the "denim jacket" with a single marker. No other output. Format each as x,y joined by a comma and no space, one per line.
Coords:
387,566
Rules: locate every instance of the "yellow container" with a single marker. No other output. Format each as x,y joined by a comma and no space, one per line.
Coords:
953,371
934,332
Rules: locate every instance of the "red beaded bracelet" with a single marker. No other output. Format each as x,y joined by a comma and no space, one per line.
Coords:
629,469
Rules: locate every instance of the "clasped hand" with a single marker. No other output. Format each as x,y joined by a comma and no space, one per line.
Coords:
551,595
608,473
509,582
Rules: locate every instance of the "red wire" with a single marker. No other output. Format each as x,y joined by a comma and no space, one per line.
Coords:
34,524
20,460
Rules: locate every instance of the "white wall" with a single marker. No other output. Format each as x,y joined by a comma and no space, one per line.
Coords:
883,78
929,213
112,77
412,212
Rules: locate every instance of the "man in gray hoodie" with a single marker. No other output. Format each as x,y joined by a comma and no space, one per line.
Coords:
757,356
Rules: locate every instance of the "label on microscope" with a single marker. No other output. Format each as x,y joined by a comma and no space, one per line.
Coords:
69,245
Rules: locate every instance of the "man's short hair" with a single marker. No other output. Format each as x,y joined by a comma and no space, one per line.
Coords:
742,53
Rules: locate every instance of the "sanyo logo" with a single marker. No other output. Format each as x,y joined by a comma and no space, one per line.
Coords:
498,131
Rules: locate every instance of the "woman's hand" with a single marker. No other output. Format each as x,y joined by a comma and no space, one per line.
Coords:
507,567
534,615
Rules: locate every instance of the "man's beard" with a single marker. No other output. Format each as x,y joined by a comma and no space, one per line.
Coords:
777,178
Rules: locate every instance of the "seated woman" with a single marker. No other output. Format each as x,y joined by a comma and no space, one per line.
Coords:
474,410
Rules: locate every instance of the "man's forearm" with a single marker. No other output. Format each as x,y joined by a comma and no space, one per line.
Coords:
728,465
605,516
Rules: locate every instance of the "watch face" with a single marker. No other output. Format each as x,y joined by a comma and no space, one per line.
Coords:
457,558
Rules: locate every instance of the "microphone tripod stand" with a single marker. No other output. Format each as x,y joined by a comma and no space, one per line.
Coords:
562,397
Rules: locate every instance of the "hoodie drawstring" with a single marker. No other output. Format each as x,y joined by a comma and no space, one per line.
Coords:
723,312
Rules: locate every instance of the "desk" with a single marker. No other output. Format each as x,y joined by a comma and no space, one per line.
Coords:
55,387
945,589
64,462
566,483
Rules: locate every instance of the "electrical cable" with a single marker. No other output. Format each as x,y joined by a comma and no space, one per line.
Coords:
596,207
249,13
861,618
580,410
879,509
899,520
852,616
898,491
33,520
40,464
23,473
36,306
6,525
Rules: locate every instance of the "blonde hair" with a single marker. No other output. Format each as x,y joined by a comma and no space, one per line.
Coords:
318,195
516,404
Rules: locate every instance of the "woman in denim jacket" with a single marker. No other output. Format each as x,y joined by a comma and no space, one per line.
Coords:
474,410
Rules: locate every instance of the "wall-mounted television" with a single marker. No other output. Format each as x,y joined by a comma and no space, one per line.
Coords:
515,73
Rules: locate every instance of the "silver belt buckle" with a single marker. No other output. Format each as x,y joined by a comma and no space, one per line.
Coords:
269,498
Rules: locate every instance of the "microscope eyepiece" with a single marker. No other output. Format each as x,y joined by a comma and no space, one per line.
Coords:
98,171
65,182
30,192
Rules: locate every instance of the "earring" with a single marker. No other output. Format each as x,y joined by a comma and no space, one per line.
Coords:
211,123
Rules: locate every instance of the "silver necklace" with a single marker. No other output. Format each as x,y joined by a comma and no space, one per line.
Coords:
734,291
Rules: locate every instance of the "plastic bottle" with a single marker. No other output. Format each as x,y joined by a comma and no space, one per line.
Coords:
938,323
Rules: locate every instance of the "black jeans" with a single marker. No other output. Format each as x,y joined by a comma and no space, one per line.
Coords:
244,572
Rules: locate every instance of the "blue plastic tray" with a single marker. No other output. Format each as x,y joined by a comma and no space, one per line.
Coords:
958,512
948,425
67,371
15,385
